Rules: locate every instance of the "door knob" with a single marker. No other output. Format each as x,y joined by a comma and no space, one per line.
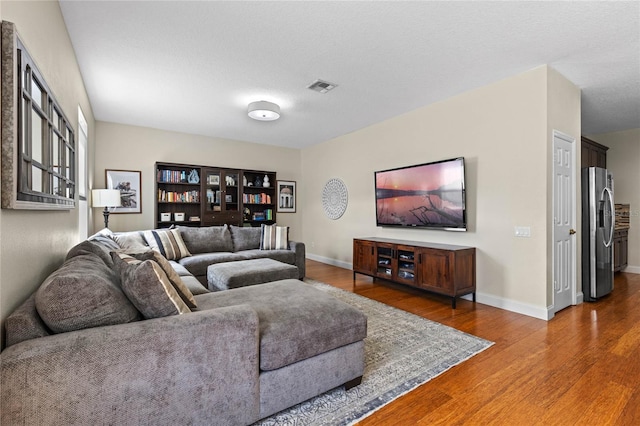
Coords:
572,231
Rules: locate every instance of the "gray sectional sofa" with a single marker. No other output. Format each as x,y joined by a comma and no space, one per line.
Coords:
81,350
217,244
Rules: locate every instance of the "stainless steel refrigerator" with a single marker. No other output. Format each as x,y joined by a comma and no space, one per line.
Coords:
598,223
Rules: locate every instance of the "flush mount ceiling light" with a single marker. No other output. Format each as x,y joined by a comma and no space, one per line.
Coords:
264,111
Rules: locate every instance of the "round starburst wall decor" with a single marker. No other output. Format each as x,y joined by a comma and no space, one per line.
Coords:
334,198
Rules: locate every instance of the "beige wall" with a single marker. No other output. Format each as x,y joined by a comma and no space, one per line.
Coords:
34,242
623,159
502,131
138,148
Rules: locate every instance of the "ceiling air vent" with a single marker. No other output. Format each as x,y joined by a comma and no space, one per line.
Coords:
321,86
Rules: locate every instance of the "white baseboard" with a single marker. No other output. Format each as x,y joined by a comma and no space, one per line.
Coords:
632,269
329,261
513,306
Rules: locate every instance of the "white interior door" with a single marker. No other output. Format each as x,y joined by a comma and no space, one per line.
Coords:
564,222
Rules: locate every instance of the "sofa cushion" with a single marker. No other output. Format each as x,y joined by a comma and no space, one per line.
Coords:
274,237
24,323
83,293
130,240
197,264
194,285
285,256
91,247
297,321
223,276
105,237
177,283
180,270
167,242
245,238
206,239
147,287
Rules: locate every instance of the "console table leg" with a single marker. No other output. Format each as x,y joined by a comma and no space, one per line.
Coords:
453,302
474,296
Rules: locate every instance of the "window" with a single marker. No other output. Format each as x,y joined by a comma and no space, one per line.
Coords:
42,154
83,142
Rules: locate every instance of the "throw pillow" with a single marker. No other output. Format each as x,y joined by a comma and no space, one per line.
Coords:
105,237
168,242
147,287
130,240
83,293
206,239
274,237
94,247
174,278
245,238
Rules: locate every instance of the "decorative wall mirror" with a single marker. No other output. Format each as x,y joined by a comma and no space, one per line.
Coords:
38,143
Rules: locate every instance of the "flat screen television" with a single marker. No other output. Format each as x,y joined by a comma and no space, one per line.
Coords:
430,195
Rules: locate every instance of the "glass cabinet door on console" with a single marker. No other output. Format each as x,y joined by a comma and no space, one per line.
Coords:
221,191
406,265
386,261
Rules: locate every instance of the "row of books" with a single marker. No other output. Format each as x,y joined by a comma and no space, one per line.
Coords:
265,215
178,197
172,176
261,198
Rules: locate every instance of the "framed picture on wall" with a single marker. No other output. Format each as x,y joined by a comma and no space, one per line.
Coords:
128,182
286,196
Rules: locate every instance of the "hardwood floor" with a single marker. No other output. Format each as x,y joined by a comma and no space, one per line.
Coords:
582,367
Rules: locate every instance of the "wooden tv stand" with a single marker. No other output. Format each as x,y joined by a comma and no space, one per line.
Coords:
440,268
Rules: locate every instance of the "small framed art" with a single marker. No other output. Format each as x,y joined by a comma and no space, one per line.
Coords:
286,196
128,182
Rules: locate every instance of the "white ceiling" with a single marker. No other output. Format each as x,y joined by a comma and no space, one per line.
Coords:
195,66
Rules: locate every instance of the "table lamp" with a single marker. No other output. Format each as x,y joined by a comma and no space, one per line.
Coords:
105,198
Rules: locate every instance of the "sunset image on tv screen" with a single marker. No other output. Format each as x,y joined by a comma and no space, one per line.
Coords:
425,195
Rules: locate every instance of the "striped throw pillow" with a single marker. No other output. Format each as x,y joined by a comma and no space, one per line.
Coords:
148,287
168,242
274,237
180,287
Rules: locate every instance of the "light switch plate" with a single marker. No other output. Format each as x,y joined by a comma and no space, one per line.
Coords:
523,231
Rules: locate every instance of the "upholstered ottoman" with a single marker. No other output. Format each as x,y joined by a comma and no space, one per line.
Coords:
242,273
309,341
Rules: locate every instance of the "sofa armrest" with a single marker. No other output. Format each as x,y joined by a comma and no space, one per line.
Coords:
185,369
299,249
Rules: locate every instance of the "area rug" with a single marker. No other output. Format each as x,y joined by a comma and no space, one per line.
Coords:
402,351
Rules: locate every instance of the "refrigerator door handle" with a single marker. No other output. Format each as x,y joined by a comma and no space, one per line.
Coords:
612,210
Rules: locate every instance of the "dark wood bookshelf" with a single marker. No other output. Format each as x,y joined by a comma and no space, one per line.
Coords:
217,198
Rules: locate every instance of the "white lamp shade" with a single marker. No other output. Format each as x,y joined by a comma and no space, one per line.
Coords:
105,198
264,111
